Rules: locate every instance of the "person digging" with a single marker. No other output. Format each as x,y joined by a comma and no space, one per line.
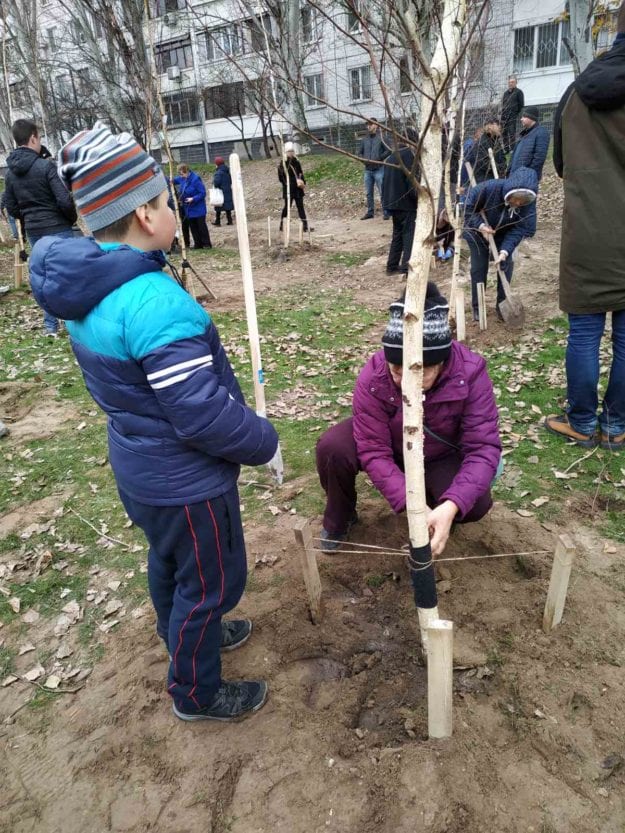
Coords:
461,436
506,210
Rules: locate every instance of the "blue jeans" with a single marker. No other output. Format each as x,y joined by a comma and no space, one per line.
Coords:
49,321
582,374
373,178
12,225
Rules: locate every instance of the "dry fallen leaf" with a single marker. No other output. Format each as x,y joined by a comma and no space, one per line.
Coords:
34,673
9,680
112,607
15,604
26,649
114,585
64,651
540,501
30,617
525,513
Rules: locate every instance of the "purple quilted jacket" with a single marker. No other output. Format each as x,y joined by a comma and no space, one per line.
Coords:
460,408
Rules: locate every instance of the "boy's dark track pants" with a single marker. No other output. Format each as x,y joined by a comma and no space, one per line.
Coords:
197,570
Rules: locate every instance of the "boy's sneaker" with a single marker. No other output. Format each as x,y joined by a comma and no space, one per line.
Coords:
560,426
331,542
616,442
232,702
234,633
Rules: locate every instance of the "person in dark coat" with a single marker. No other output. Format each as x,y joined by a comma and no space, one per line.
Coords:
512,104
509,209
223,180
297,184
589,154
36,196
479,157
531,148
192,200
462,448
373,150
399,199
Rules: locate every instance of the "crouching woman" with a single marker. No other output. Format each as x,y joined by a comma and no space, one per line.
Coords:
461,437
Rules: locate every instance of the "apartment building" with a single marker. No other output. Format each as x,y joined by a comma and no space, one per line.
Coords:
219,62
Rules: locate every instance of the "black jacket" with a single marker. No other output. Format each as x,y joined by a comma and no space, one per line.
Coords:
294,168
373,149
398,193
36,195
512,103
530,150
479,158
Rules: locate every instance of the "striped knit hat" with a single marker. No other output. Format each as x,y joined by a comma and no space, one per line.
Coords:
436,332
108,175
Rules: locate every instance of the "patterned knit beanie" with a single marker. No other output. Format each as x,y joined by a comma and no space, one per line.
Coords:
436,332
108,175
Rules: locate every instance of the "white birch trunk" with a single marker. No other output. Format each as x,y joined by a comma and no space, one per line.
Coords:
418,271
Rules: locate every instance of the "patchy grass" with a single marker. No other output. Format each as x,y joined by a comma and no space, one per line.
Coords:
348,259
334,168
530,384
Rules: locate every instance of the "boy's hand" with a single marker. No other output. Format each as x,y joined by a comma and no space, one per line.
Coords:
189,199
439,526
486,231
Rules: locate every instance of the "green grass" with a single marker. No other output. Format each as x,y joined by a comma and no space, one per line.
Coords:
348,258
333,168
530,384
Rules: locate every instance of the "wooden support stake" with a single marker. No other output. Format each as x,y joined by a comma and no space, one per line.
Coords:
440,677
301,232
559,583
461,332
481,305
19,267
303,537
269,231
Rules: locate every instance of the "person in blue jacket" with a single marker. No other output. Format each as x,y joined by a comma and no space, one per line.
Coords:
504,209
531,148
192,199
223,180
178,425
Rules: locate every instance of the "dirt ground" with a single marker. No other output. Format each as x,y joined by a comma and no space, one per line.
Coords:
342,745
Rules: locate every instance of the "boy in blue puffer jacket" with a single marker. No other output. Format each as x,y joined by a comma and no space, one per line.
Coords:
178,425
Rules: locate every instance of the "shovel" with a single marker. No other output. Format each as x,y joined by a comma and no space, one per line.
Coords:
511,308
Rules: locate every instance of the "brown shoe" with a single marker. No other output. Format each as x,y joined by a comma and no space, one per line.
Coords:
613,443
559,425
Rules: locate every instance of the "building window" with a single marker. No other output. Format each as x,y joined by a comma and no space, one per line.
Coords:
225,101
19,94
353,15
604,29
258,31
524,49
222,42
547,45
182,109
78,32
52,37
309,24
540,47
405,80
163,7
82,81
313,84
176,53
97,27
360,83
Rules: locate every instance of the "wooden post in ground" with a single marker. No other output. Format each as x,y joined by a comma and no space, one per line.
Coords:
481,305
559,583
461,332
19,267
301,232
303,538
440,678
269,231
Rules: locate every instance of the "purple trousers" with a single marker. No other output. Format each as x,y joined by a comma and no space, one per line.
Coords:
338,467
